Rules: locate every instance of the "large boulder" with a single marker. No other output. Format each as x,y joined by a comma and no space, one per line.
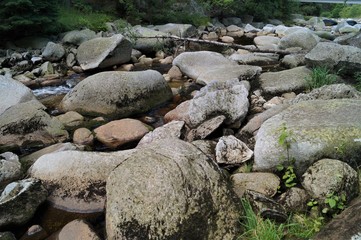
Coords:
53,52
13,92
27,125
205,66
19,201
285,81
301,38
170,190
104,52
180,30
138,35
335,56
76,180
314,129
77,37
117,94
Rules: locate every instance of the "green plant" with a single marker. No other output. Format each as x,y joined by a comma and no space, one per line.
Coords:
313,204
353,11
334,203
289,177
303,226
320,76
358,81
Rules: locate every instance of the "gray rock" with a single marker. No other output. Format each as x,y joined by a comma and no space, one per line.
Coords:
71,119
104,52
207,147
330,176
333,91
53,52
46,69
10,168
146,44
170,190
77,37
284,81
250,28
19,201
264,183
7,236
325,34
76,180
348,29
335,56
117,94
206,66
232,21
318,128
352,39
294,200
13,92
300,38
266,42
345,226
293,60
317,23
257,59
230,150
180,30
27,125
205,128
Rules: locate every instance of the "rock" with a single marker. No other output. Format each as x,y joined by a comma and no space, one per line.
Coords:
348,29
266,207
294,200
230,150
345,226
352,39
180,30
23,66
146,44
335,56
330,176
333,91
170,130
284,81
77,37
7,236
317,23
19,201
211,36
250,28
104,52
27,125
12,92
257,59
293,60
76,180
273,102
120,132
175,73
206,66
301,38
318,128
28,160
70,60
117,94
71,119
47,69
208,147
53,52
330,22
10,168
205,128
264,183
83,136
35,232
266,42
218,98
77,230
232,21
169,190
234,31
227,39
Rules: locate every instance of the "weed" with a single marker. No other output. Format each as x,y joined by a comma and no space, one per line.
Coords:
334,203
320,76
303,226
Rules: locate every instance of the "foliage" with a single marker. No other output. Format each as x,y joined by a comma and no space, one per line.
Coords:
289,177
320,76
24,17
71,18
353,11
304,227
334,203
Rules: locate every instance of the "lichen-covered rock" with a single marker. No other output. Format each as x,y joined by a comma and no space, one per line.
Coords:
117,94
27,125
19,201
170,190
317,128
10,168
139,35
230,150
301,38
330,176
256,59
104,52
294,200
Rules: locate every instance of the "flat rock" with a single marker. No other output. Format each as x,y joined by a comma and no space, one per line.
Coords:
176,29
256,59
151,44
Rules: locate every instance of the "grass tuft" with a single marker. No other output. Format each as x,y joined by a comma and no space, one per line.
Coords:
320,76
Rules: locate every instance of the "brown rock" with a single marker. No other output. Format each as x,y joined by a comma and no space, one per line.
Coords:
83,136
175,73
117,133
227,39
77,230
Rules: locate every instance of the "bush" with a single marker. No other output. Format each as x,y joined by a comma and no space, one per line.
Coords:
353,11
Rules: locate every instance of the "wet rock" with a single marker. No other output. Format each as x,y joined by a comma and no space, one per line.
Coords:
77,37
330,176
19,201
27,125
170,189
264,183
170,130
284,81
335,56
230,150
117,94
120,132
318,128
10,168
53,52
83,136
77,230
294,200
104,52
301,38
76,180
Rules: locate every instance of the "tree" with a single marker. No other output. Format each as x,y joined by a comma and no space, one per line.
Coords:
24,17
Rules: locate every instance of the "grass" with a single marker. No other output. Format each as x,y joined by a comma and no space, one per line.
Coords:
299,226
320,76
358,81
71,19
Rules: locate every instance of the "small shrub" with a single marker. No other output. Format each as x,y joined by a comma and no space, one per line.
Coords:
353,11
320,76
